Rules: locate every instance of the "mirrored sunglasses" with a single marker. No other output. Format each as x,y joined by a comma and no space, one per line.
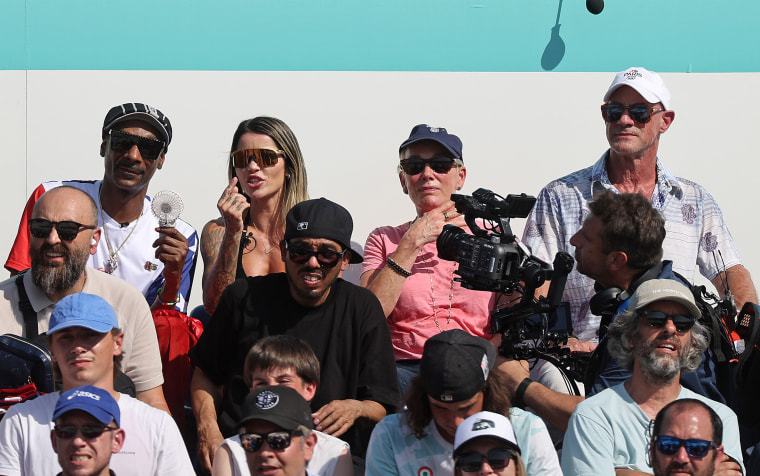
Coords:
67,230
657,319
277,440
696,448
123,142
264,157
498,458
440,165
641,113
88,432
325,258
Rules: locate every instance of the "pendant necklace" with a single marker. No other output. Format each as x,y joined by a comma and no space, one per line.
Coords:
266,251
113,256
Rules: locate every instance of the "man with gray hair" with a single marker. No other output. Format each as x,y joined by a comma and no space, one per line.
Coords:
657,338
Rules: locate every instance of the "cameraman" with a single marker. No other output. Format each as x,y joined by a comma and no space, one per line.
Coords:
401,264
619,246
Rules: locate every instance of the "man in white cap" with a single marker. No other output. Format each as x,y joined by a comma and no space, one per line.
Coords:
657,338
637,111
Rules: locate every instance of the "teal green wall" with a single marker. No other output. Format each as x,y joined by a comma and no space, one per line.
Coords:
373,35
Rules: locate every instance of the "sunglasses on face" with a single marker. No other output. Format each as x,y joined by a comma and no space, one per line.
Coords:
657,319
88,432
277,440
669,445
440,165
123,142
67,230
325,258
641,113
498,458
264,157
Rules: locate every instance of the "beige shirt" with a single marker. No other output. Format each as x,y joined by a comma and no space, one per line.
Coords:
142,361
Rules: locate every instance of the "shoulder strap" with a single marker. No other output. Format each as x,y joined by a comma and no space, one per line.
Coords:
30,317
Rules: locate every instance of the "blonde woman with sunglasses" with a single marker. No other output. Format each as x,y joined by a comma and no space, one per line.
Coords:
267,177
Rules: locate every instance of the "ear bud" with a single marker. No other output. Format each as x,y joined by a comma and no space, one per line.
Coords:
93,242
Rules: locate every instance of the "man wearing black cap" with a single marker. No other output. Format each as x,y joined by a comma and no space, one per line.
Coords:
455,381
158,262
275,433
343,323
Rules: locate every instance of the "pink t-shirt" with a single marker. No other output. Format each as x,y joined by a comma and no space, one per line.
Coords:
413,320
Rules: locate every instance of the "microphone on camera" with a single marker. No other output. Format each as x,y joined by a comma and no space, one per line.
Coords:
595,6
167,206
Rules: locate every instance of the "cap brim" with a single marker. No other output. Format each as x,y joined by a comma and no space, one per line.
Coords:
409,142
141,116
500,439
650,97
101,327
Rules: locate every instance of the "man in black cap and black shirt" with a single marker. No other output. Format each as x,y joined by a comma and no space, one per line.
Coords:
343,323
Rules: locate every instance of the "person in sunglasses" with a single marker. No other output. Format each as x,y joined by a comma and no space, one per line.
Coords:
86,431
158,261
275,433
86,345
485,444
417,289
686,439
636,112
657,338
343,323
267,177
63,235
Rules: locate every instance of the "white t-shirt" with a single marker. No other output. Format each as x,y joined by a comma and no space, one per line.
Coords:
152,446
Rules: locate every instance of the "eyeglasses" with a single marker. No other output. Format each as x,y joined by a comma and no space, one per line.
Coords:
669,445
440,165
277,440
67,230
123,142
88,432
657,319
326,258
639,112
498,458
264,157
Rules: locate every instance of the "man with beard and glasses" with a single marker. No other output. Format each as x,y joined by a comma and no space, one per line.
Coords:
64,234
344,324
687,438
657,338
158,261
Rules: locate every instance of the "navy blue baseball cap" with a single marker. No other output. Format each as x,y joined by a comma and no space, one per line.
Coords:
83,310
422,132
93,400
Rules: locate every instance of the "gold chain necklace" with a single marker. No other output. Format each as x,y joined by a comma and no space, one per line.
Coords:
113,256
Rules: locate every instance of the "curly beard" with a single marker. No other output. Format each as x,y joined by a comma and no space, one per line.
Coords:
54,279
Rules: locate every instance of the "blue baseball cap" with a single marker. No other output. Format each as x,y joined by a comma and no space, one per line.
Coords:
422,132
83,310
93,400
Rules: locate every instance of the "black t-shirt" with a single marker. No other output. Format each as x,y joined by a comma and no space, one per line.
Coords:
348,333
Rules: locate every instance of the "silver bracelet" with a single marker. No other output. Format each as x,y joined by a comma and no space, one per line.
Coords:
397,268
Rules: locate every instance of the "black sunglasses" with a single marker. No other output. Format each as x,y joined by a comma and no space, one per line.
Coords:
89,432
277,440
440,165
325,258
498,458
67,230
263,157
123,142
657,319
641,113
669,445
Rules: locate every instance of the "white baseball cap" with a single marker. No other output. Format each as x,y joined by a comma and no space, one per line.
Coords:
485,425
647,83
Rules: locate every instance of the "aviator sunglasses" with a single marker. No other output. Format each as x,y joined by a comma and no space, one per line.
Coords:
123,142
277,440
641,113
669,445
440,165
264,157
498,458
325,258
89,432
657,319
67,230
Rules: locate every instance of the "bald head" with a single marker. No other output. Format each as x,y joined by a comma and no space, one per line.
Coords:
66,204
